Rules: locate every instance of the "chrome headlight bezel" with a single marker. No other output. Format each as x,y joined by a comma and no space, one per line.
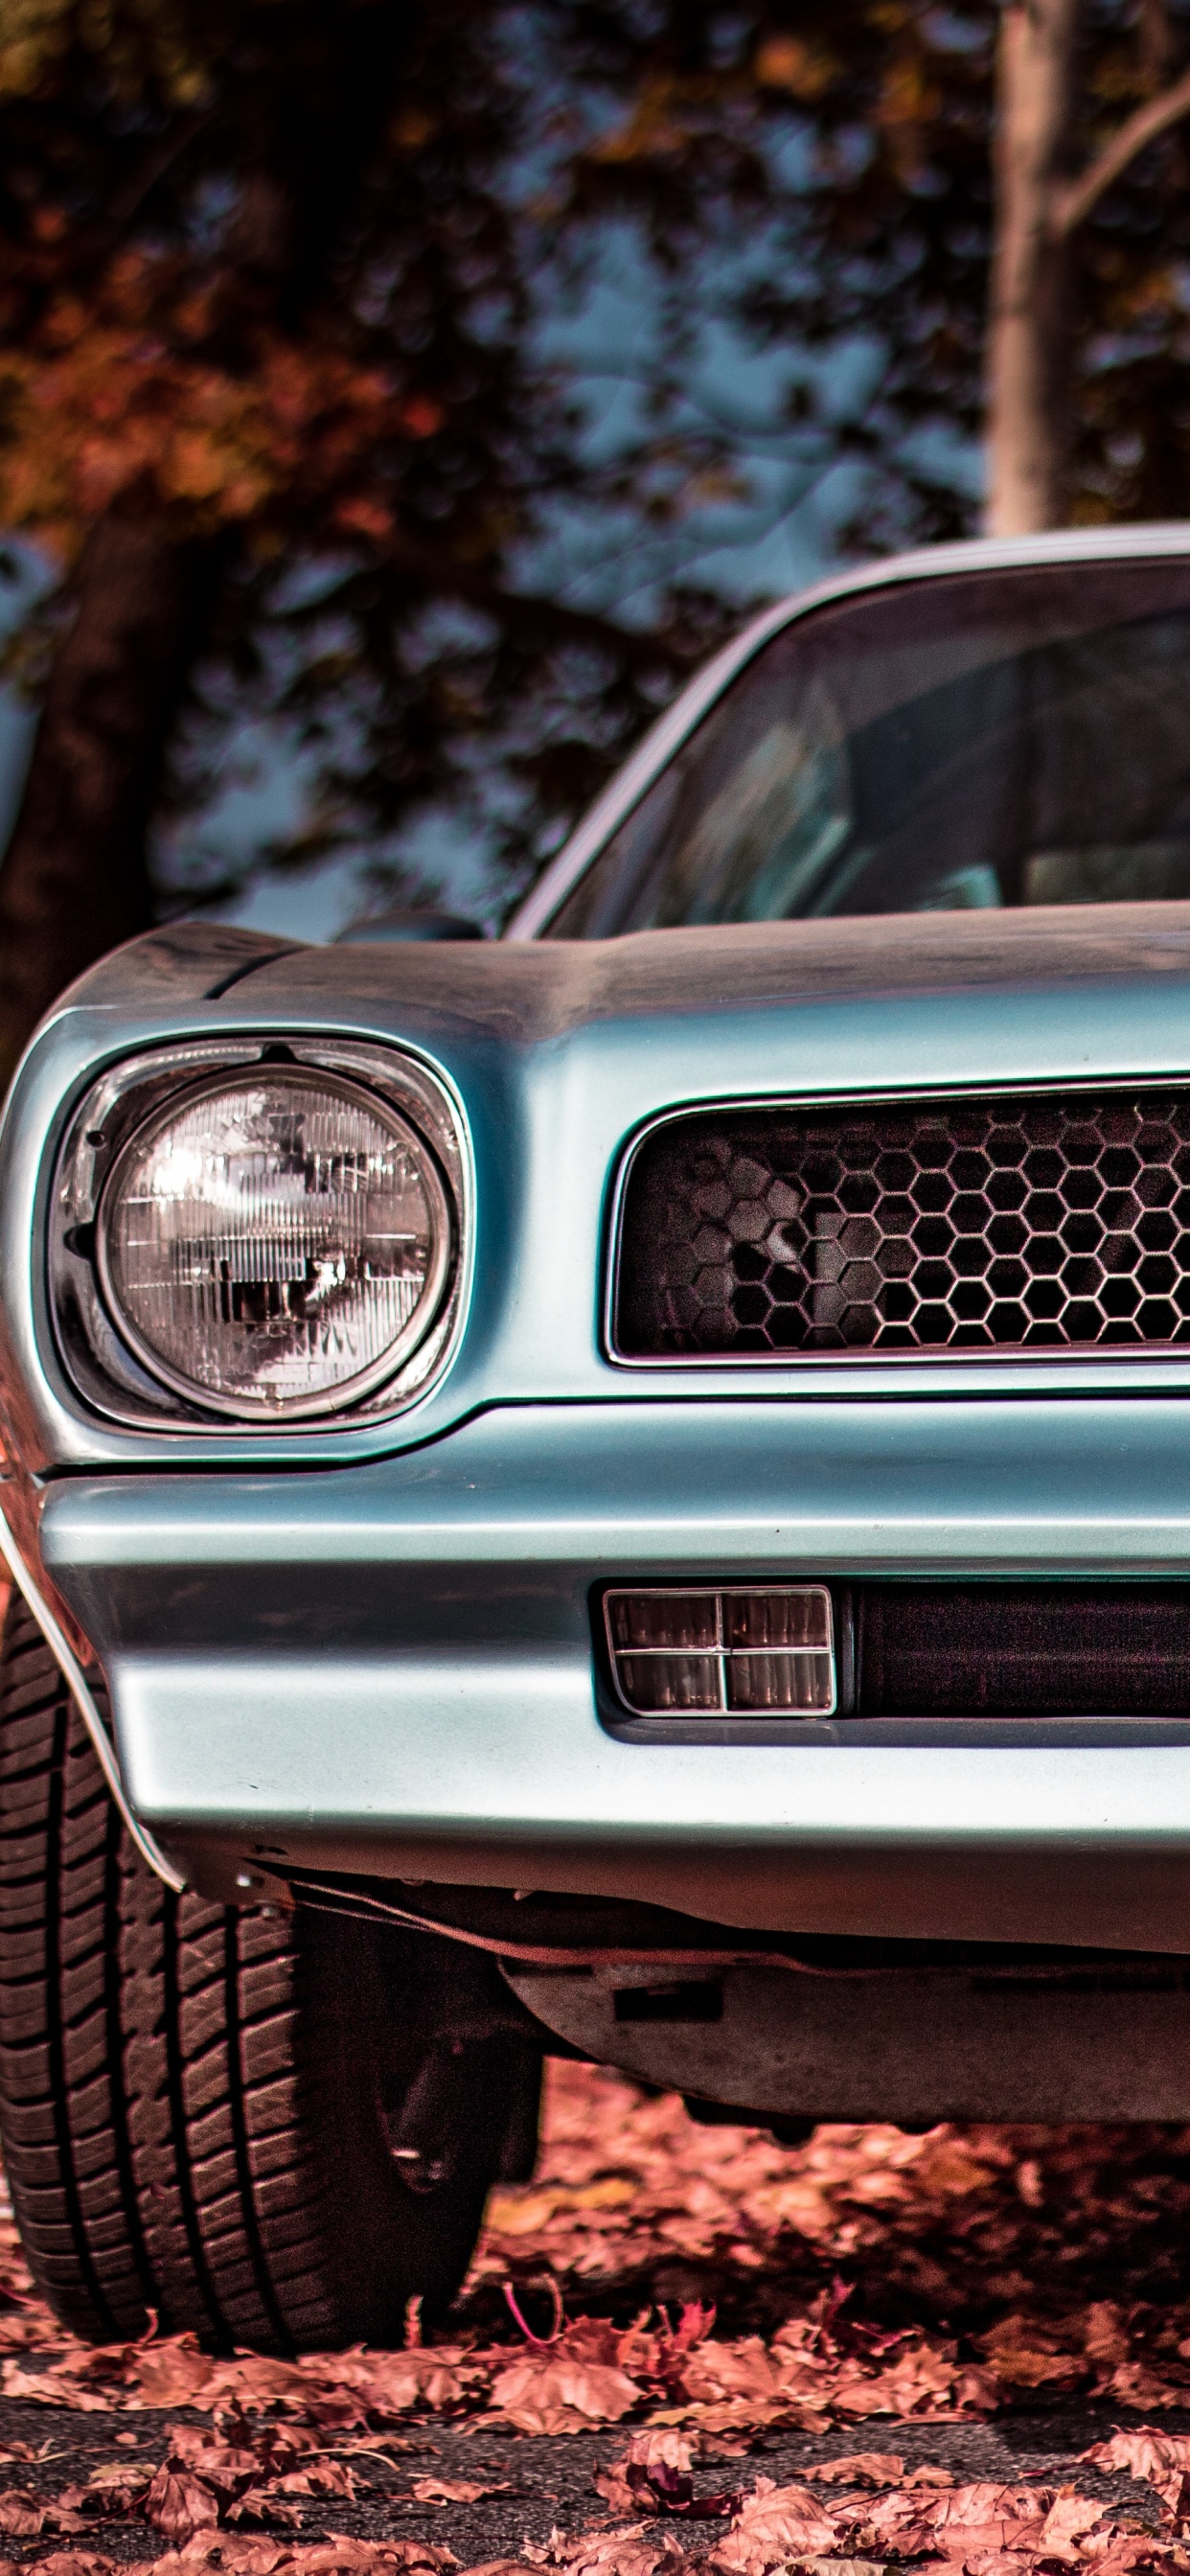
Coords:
97,1346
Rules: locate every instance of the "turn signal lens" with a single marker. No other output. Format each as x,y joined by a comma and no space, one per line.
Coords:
755,1651
274,1244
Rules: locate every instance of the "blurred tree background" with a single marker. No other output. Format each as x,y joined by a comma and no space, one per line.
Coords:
420,392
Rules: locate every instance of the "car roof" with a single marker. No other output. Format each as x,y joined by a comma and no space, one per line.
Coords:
926,563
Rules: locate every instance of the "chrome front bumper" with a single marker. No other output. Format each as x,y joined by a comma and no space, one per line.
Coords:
390,1669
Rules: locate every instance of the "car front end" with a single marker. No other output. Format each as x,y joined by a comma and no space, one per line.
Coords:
730,1565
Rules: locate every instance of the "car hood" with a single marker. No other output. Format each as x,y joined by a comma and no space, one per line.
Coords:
559,1055
544,989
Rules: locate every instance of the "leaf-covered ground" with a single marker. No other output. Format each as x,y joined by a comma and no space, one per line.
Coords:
680,2347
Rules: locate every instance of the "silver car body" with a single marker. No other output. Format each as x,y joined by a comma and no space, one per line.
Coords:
363,1648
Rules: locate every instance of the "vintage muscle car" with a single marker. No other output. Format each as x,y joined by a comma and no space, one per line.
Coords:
623,1490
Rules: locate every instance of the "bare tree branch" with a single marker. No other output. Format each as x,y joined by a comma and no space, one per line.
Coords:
1073,204
536,616
531,614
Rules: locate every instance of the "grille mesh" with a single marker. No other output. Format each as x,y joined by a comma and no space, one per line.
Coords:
1022,1649
1006,1224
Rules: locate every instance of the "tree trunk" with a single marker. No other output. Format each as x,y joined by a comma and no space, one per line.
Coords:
1029,325
74,880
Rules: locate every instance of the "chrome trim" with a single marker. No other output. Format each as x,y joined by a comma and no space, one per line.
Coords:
245,1408
72,1674
983,1355
977,554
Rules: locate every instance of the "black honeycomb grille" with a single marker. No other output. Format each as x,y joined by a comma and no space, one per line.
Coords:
1019,1222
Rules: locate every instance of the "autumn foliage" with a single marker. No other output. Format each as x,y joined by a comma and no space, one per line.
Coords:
185,207
269,411
872,2282
659,2272
100,410
281,398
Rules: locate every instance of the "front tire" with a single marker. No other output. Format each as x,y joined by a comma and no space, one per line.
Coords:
198,2103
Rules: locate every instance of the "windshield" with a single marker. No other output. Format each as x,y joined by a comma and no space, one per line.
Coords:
979,739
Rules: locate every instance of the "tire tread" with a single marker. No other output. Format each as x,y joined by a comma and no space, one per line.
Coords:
188,2120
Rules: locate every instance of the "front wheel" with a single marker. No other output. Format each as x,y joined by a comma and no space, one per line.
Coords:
207,2112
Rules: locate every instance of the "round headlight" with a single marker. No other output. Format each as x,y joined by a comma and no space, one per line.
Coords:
275,1243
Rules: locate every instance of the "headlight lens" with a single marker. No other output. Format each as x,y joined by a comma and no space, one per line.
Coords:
275,1243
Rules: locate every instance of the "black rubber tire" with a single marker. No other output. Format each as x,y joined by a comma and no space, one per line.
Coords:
197,2102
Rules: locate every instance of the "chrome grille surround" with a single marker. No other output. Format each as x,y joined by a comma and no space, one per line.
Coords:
999,1222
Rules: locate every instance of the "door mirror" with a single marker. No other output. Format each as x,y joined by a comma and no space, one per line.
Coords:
378,928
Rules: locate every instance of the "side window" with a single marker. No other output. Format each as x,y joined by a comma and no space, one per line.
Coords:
742,826
762,842
598,905
1015,737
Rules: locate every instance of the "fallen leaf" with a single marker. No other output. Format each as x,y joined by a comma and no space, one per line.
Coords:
516,2214
234,2554
76,2562
22,2516
180,2505
861,2469
654,2475
233,2551
321,2477
986,2516
636,2551
626,2482
1159,2459
843,2566
457,2490
1070,2516
262,2504
774,2524
1023,2354
715,2371
501,2567
563,2388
